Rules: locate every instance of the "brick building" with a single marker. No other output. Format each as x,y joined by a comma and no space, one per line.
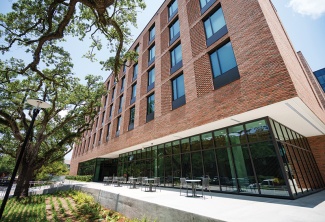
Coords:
218,91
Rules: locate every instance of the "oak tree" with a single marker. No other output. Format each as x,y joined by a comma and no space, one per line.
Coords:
38,29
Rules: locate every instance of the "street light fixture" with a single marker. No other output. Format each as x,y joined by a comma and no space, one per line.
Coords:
38,104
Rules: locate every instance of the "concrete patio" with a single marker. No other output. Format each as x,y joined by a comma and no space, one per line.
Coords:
168,205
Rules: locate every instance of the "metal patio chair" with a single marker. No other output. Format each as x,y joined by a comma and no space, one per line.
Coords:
156,183
205,186
183,184
144,182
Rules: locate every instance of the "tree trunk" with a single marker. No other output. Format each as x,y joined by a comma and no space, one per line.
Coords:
26,174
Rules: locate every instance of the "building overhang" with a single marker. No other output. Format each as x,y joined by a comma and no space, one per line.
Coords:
293,113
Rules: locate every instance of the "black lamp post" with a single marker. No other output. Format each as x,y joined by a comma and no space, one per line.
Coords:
38,104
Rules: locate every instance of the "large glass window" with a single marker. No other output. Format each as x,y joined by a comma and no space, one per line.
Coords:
172,9
135,71
178,87
108,131
113,94
132,114
178,92
222,60
151,104
151,79
224,66
151,54
133,93
110,111
176,58
120,104
118,126
174,31
214,23
152,33
236,159
204,3
150,107
122,83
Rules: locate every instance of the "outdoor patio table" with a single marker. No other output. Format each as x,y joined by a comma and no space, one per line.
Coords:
119,179
193,187
150,181
133,181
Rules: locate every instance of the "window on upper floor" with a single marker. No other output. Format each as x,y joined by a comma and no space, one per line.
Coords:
152,33
103,118
113,94
172,9
176,58
100,136
135,72
108,131
205,4
174,32
110,111
124,66
136,49
151,57
105,101
122,83
151,79
120,104
133,93
150,107
178,91
94,139
118,126
107,86
132,114
215,27
224,65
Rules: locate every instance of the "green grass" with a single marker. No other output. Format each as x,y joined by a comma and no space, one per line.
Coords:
62,206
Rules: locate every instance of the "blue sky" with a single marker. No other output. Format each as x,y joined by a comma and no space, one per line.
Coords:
304,21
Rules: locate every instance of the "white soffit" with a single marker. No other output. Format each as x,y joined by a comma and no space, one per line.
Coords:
292,113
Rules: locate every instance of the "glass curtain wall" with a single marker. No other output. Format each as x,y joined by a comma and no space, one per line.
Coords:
299,164
260,157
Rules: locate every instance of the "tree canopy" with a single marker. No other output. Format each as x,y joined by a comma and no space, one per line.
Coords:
39,27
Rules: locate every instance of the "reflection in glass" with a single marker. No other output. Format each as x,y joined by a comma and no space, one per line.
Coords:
195,143
221,138
267,168
226,170
197,167
207,141
186,166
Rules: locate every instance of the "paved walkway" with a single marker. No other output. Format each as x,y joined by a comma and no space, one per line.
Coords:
228,207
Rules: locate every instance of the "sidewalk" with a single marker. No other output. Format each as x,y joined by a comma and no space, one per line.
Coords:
228,207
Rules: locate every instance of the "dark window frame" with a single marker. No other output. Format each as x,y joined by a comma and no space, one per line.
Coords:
175,36
181,100
177,65
131,123
151,85
206,6
133,97
151,59
171,14
225,77
219,33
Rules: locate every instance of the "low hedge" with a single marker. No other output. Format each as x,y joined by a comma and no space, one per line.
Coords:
86,178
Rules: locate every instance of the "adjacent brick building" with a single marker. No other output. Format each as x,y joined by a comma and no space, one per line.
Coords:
218,91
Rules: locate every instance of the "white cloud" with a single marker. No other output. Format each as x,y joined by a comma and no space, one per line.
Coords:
313,8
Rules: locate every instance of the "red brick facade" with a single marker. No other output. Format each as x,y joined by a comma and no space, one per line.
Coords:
317,143
270,72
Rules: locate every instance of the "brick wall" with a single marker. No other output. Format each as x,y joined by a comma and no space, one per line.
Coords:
317,145
264,74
